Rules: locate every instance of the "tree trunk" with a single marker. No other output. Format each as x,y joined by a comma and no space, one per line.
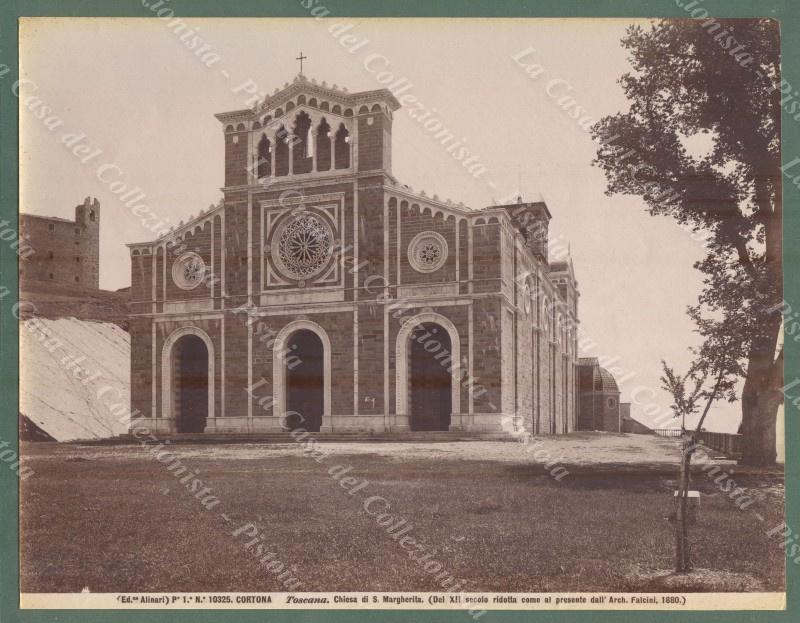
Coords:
759,413
761,394
683,558
761,397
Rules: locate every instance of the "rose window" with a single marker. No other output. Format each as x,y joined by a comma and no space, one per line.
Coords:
427,252
188,271
303,246
430,253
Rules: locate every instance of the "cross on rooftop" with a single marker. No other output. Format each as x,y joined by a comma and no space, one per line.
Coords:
301,58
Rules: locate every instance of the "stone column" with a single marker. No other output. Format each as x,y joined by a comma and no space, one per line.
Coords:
273,151
252,157
312,146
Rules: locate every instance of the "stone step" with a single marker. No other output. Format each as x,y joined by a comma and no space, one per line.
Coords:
334,437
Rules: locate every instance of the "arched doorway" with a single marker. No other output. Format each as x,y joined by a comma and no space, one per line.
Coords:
190,384
305,380
430,382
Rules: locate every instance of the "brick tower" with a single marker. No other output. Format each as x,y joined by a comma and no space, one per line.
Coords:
64,251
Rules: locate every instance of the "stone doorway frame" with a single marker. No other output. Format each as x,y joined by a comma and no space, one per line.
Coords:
402,364
167,380
279,368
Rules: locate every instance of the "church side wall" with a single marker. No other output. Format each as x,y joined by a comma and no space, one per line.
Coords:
487,364
486,257
539,379
366,367
238,383
198,241
236,249
141,281
415,220
526,365
141,368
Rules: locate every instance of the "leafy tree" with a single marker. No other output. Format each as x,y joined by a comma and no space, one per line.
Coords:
687,82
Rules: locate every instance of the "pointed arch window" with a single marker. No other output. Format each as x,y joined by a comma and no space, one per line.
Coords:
281,152
342,148
264,157
301,151
323,146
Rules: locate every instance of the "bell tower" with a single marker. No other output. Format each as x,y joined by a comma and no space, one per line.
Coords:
533,220
87,217
309,129
375,138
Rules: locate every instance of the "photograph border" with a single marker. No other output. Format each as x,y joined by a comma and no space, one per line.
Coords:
786,12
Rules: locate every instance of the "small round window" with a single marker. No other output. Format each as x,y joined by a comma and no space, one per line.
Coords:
427,252
188,271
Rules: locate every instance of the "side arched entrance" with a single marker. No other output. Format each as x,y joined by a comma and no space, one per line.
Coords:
187,379
430,383
428,372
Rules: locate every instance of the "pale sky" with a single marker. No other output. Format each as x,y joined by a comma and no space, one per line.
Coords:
137,93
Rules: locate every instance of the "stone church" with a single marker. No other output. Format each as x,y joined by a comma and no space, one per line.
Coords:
321,293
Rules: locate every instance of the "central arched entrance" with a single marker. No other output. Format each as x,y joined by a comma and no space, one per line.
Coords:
430,378
190,384
301,368
305,380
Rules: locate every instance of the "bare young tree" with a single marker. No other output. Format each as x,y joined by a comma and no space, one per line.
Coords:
712,376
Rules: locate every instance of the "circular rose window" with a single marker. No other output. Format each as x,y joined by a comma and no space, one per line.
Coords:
427,252
188,271
303,245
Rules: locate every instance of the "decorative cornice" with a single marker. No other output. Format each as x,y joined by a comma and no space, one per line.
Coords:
303,86
176,232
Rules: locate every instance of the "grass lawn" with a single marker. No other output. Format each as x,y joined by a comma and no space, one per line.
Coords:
113,519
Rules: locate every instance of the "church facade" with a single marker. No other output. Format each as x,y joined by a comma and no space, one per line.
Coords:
321,293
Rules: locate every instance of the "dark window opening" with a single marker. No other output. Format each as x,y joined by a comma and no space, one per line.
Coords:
264,153
281,152
323,146
342,148
301,150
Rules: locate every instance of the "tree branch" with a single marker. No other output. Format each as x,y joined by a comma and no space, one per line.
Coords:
710,401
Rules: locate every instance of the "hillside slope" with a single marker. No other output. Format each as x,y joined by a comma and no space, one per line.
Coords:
57,300
74,377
